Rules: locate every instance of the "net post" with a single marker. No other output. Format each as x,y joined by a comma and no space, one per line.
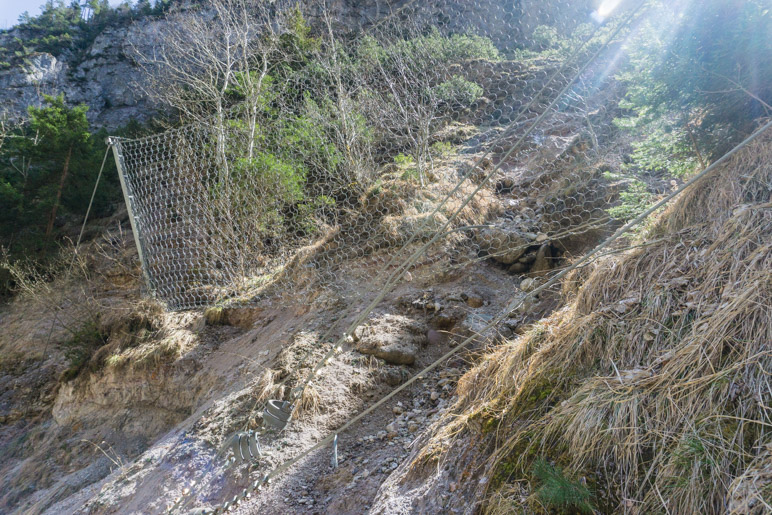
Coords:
115,144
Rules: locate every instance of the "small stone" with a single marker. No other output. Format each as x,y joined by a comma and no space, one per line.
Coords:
397,410
543,261
519,268
527,304
391,428
412,427
445,320
541,237
434,337
434,396
394,376
474,301
528,284
528,258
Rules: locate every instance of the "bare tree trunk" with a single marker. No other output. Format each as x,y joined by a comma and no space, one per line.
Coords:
52,216
254,100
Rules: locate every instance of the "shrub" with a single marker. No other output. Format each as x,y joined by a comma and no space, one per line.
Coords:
632,202
79,349
556,491
442,149
457,92
404,161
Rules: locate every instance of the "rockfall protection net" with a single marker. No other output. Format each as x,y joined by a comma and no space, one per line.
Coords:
396,142
342,166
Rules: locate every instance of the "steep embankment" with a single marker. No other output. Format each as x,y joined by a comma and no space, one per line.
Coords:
648,392
140,400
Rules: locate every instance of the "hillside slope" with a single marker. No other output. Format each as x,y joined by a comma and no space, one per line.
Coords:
648,392
301,272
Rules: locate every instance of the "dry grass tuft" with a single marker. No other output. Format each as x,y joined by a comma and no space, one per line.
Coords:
310,403
653,385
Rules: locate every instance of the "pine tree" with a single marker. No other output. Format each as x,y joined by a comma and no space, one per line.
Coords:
63,130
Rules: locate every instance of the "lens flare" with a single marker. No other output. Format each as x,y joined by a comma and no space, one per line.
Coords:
605,9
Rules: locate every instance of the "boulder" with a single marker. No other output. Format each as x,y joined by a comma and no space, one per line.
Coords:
393,338
519,268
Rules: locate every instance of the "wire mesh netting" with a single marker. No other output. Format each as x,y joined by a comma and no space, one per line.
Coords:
356,148
462,124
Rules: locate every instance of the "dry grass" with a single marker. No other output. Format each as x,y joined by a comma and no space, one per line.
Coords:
94,290
267,386
654,382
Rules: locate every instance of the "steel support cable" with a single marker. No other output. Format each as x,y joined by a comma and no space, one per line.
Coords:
330,330
91,202
399,273
332,326
514,304
505,133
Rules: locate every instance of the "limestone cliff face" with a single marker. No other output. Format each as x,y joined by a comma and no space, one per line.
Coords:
106,77
107,80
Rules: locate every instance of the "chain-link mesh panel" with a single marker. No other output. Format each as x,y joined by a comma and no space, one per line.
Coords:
470,130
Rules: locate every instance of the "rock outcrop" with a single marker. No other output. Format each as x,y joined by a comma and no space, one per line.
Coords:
104,77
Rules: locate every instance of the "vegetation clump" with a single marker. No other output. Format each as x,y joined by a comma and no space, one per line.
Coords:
647,376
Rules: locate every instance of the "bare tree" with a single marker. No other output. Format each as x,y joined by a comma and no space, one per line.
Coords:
5,128
413,87
343,117
214,66
212,57
16,127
